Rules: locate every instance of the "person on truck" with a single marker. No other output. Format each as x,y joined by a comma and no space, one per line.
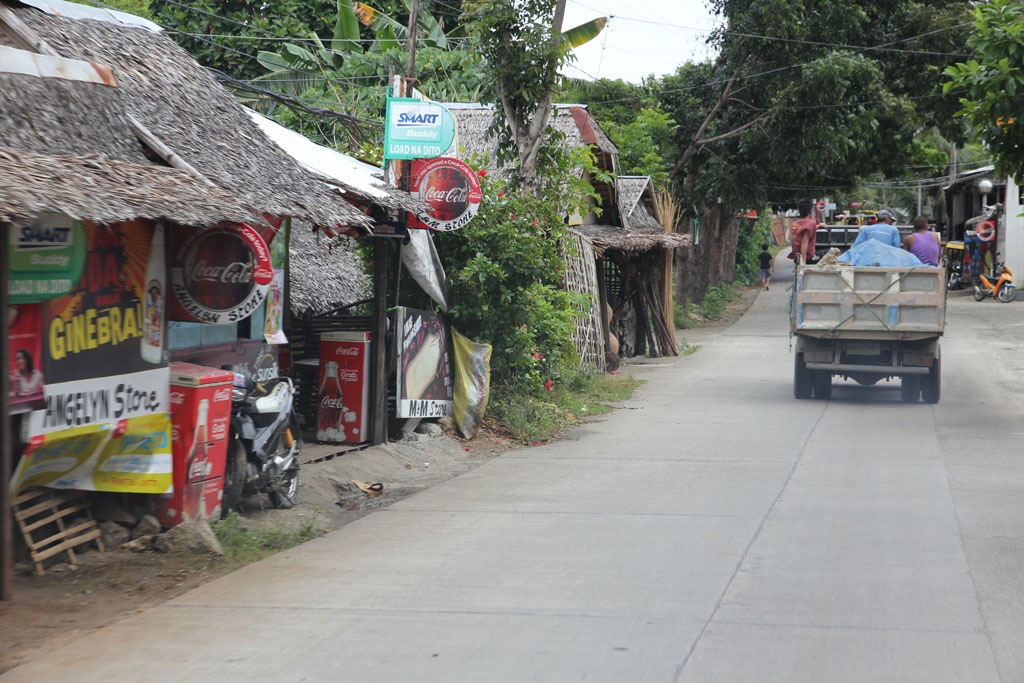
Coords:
923,243
884,230
804,234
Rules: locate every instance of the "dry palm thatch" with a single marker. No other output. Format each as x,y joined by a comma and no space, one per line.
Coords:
331,272
89,188
172,97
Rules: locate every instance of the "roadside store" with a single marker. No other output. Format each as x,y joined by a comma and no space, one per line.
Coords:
145,222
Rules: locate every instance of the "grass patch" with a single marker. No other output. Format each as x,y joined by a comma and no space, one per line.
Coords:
243,546
532,419
709,311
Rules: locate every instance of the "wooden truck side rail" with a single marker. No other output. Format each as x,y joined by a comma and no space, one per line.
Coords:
869,302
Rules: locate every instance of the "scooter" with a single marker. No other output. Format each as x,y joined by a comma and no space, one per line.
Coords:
999,285
263,444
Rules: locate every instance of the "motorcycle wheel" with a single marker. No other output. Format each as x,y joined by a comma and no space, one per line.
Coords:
234,477
1007,293
978,293
954,282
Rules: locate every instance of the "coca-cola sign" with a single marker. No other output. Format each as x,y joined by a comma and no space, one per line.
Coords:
219,275
452,190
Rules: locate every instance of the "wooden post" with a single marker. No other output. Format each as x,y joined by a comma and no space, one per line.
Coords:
6,442
379,428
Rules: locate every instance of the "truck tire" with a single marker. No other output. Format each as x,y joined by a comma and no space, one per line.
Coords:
910,388
802,378
931,387
822,385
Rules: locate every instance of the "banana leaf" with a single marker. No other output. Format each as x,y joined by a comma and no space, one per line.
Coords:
584,33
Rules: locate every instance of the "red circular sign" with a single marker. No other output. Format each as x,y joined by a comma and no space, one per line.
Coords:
221,275
821,204
452,190
986,231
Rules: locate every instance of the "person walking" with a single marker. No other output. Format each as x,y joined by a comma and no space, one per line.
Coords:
884,231
923,243
765,265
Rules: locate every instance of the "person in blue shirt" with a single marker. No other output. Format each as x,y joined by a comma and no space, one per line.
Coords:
884,231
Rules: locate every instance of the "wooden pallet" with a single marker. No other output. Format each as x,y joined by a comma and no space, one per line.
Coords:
43,515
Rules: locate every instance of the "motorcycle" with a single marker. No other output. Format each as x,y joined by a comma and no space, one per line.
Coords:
263,444
999,285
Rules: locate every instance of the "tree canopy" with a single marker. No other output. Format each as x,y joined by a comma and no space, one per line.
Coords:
992,82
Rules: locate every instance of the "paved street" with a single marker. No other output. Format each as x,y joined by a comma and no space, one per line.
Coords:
712,529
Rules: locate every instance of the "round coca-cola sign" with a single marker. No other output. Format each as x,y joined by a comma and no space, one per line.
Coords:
452,190
219,275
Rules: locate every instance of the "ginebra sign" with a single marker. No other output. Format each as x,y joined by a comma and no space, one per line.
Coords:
218,275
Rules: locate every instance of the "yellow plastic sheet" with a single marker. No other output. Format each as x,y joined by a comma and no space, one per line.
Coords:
472,383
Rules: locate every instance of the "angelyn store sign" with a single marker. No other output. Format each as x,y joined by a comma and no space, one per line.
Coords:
417,129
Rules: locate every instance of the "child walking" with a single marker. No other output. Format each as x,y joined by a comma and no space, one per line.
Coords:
765,262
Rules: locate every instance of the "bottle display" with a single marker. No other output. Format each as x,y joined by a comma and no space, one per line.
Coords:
198,465
330,409
153,300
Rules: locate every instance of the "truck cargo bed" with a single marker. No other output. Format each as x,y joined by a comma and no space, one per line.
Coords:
860,302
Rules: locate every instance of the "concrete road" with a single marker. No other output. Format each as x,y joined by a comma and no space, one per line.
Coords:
712,529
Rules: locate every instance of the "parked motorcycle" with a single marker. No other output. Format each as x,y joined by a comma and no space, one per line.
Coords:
999,285
264,443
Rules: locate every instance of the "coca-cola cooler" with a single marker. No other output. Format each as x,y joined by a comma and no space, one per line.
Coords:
344,395
200,421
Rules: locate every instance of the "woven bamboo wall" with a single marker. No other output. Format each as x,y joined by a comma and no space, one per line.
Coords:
581,277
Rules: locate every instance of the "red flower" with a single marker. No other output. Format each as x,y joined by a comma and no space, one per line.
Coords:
537,356
482,172
548,385
501,193
536,223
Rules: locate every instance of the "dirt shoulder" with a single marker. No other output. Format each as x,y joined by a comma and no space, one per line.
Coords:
51,610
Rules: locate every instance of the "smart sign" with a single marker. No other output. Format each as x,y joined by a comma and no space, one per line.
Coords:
417,129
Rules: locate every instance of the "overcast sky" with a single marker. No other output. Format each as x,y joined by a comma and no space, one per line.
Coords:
642,37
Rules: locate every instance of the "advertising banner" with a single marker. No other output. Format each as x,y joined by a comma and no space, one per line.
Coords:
424,377
25,353
105,392
452,190
131,456
416,129
218,275
46,258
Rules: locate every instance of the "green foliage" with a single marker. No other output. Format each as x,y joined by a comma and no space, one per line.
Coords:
505,283
753,234
612,103
243,546
523,48
139,8
210,29
993,83
643,145
709,311
530,419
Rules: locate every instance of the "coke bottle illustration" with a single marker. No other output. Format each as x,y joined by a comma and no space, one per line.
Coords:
329,426
153,300
197,466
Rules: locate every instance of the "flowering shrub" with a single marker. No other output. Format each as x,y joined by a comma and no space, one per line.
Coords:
505,277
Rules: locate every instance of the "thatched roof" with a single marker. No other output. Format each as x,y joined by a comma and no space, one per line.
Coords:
162,88
574,121
326,272
636,202
358,181
90,188
610,237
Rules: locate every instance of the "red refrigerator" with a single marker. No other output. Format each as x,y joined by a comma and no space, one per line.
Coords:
343,397
200,421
